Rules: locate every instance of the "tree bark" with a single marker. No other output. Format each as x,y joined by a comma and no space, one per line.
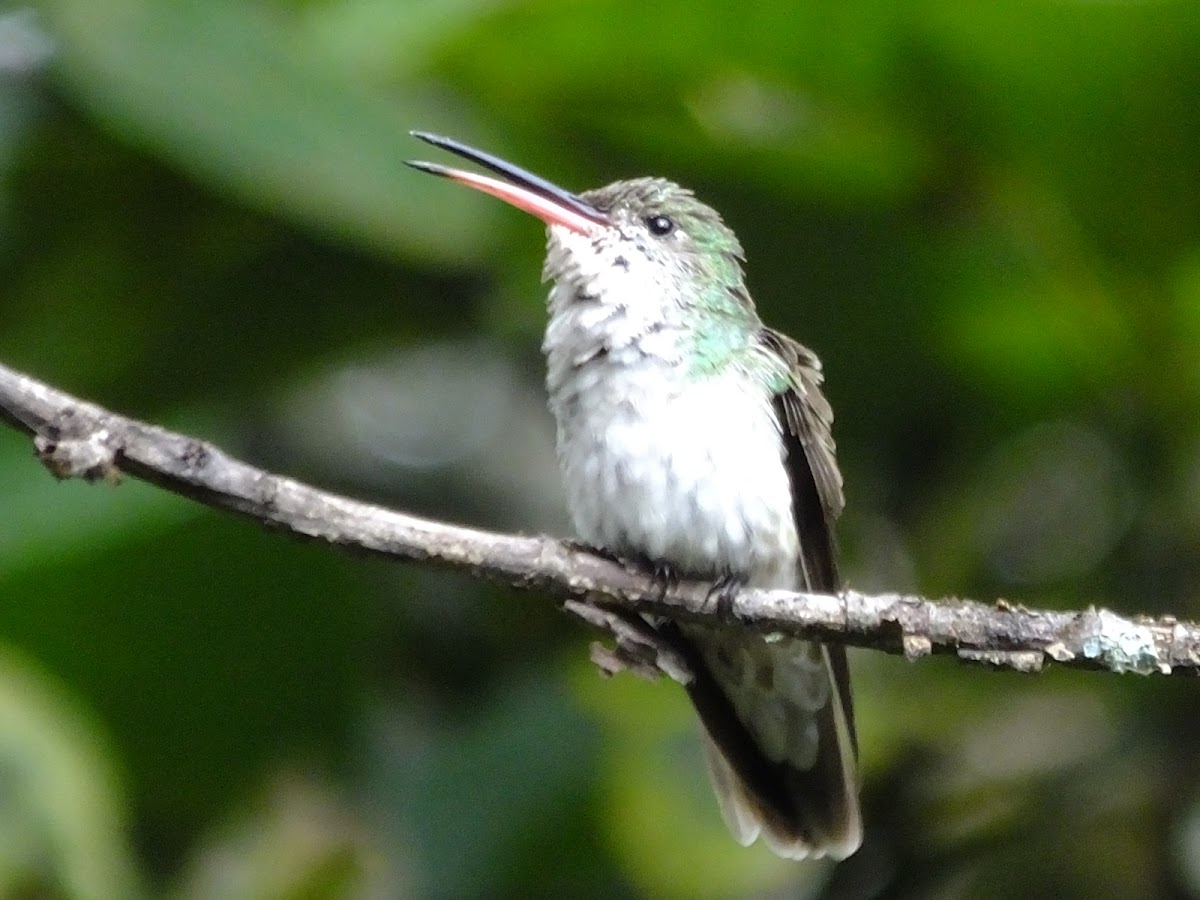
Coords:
77,439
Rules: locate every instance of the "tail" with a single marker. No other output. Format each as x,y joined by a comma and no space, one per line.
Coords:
780,740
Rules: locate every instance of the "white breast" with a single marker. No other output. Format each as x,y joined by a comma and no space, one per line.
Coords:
683,470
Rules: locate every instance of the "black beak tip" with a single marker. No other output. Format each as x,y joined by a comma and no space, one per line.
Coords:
431,168
430,138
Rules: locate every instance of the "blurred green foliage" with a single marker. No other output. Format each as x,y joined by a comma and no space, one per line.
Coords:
986,219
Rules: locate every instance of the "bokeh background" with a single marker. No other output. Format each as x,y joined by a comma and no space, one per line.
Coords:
984,217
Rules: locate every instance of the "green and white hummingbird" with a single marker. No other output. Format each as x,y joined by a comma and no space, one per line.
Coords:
692,436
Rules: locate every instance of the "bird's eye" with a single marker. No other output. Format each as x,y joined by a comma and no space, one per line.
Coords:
660,226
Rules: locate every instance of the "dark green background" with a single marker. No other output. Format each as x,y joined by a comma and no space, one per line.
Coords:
985,219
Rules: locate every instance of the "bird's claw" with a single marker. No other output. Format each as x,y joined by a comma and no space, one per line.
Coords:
725,589
665,578
579,546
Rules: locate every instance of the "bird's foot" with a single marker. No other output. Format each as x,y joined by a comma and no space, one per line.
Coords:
584,547
665,577
725,589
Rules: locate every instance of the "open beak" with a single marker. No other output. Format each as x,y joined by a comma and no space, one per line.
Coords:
526,191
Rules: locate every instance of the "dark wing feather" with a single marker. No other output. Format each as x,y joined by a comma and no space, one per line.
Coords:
807,420
817,498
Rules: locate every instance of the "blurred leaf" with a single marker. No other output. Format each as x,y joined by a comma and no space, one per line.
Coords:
1038,314
769,86
212,648
478,795
299,844
381,40
63,829
222,89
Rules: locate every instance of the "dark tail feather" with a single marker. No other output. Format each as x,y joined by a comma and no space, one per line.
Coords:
799,811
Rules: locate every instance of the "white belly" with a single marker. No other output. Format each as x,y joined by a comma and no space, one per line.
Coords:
688,473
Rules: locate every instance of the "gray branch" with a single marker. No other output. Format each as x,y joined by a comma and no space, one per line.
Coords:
76,439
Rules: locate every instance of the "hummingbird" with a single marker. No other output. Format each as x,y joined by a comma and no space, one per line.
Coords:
692,437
